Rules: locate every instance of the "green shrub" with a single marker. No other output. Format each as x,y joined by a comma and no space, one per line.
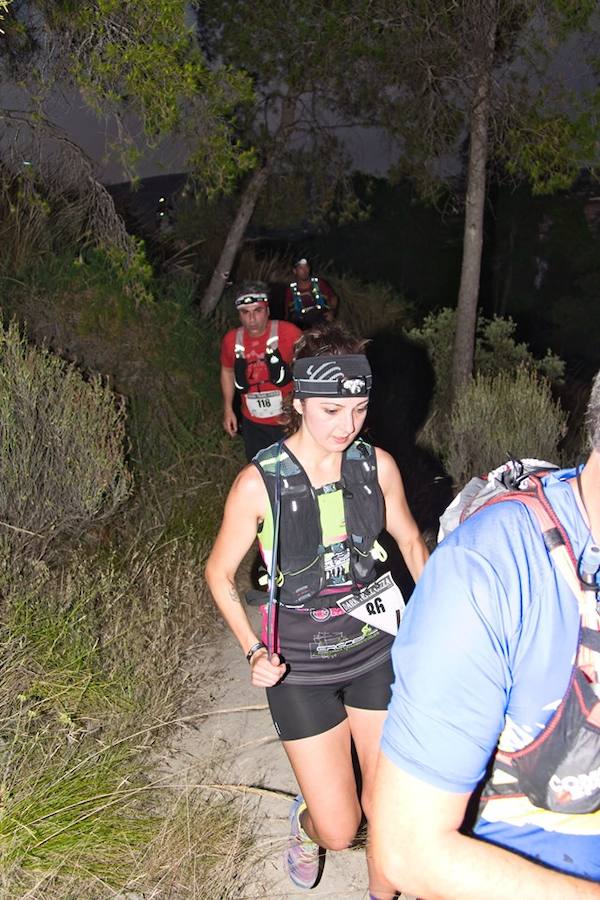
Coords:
507,414
62,447
369,308
496,350
68,808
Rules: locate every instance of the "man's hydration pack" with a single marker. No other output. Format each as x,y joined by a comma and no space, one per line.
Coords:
280,373
560,769
319,303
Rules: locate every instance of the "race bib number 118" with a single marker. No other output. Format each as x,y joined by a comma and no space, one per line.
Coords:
264,404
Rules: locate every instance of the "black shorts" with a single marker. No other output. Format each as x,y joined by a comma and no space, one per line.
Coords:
258,436
303,710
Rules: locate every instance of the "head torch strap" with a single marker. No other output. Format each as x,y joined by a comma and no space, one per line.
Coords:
332,376
246,299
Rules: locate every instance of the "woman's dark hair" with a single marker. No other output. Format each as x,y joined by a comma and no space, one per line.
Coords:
326,340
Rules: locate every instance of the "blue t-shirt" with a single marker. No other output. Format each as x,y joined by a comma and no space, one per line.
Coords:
485,649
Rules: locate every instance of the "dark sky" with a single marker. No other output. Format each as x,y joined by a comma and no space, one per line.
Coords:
369,148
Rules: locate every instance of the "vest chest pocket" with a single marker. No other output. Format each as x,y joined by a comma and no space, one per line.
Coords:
302,571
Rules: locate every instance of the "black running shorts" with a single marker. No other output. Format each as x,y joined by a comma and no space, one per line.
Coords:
257,436
303,710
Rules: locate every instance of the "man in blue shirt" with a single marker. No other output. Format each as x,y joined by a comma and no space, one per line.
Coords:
482,660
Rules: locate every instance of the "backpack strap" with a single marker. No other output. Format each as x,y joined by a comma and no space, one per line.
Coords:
553,531
273,339
296,297
316,292
239,348
561,553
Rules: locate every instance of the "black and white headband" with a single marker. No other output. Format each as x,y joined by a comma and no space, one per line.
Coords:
250,297
332,376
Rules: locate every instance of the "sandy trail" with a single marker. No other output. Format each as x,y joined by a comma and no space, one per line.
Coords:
249,753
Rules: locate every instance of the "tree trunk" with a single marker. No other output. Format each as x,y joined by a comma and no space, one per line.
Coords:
215,289
468,296
250,196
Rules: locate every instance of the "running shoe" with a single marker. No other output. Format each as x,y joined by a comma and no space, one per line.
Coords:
303,858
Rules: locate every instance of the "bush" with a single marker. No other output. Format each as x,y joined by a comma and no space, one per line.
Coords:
496,350
370,308
499,416
62,440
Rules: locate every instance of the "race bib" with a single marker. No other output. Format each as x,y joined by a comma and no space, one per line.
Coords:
379,604
264,405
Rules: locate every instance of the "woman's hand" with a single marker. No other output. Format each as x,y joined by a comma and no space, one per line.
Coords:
266,672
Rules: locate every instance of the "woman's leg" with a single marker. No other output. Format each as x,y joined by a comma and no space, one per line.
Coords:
323,768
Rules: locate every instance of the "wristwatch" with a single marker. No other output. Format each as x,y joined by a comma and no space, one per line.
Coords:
254,649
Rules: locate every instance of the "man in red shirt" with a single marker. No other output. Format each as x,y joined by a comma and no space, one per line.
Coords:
256,360
309,299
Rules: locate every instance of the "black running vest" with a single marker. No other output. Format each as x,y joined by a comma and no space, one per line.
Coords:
300,557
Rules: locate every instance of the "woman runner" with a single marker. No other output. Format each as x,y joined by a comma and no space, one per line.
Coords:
328,683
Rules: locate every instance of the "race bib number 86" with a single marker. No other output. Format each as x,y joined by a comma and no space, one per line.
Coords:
379,604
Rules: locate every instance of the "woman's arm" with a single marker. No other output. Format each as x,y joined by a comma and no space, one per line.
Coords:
244,509
399,520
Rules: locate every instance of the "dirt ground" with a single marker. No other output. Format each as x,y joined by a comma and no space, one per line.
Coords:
247,752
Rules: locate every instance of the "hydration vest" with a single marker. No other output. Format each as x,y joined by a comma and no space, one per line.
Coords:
320,303
560,769
279,372
300,563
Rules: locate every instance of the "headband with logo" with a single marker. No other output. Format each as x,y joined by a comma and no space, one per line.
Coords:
332,376
251,297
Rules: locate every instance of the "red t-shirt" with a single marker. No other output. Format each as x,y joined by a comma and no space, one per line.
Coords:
257,371
308,299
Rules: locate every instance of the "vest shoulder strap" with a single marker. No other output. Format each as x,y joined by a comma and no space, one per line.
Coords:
361,450
239,348
296,297
266,461
534,498
273,339
557,543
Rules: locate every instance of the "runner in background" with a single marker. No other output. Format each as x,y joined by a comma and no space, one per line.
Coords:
329,681
256,360
309,299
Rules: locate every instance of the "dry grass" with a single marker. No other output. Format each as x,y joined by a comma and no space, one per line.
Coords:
95,647
202,850
93,676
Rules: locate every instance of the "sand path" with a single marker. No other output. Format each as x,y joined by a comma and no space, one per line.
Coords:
247,752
